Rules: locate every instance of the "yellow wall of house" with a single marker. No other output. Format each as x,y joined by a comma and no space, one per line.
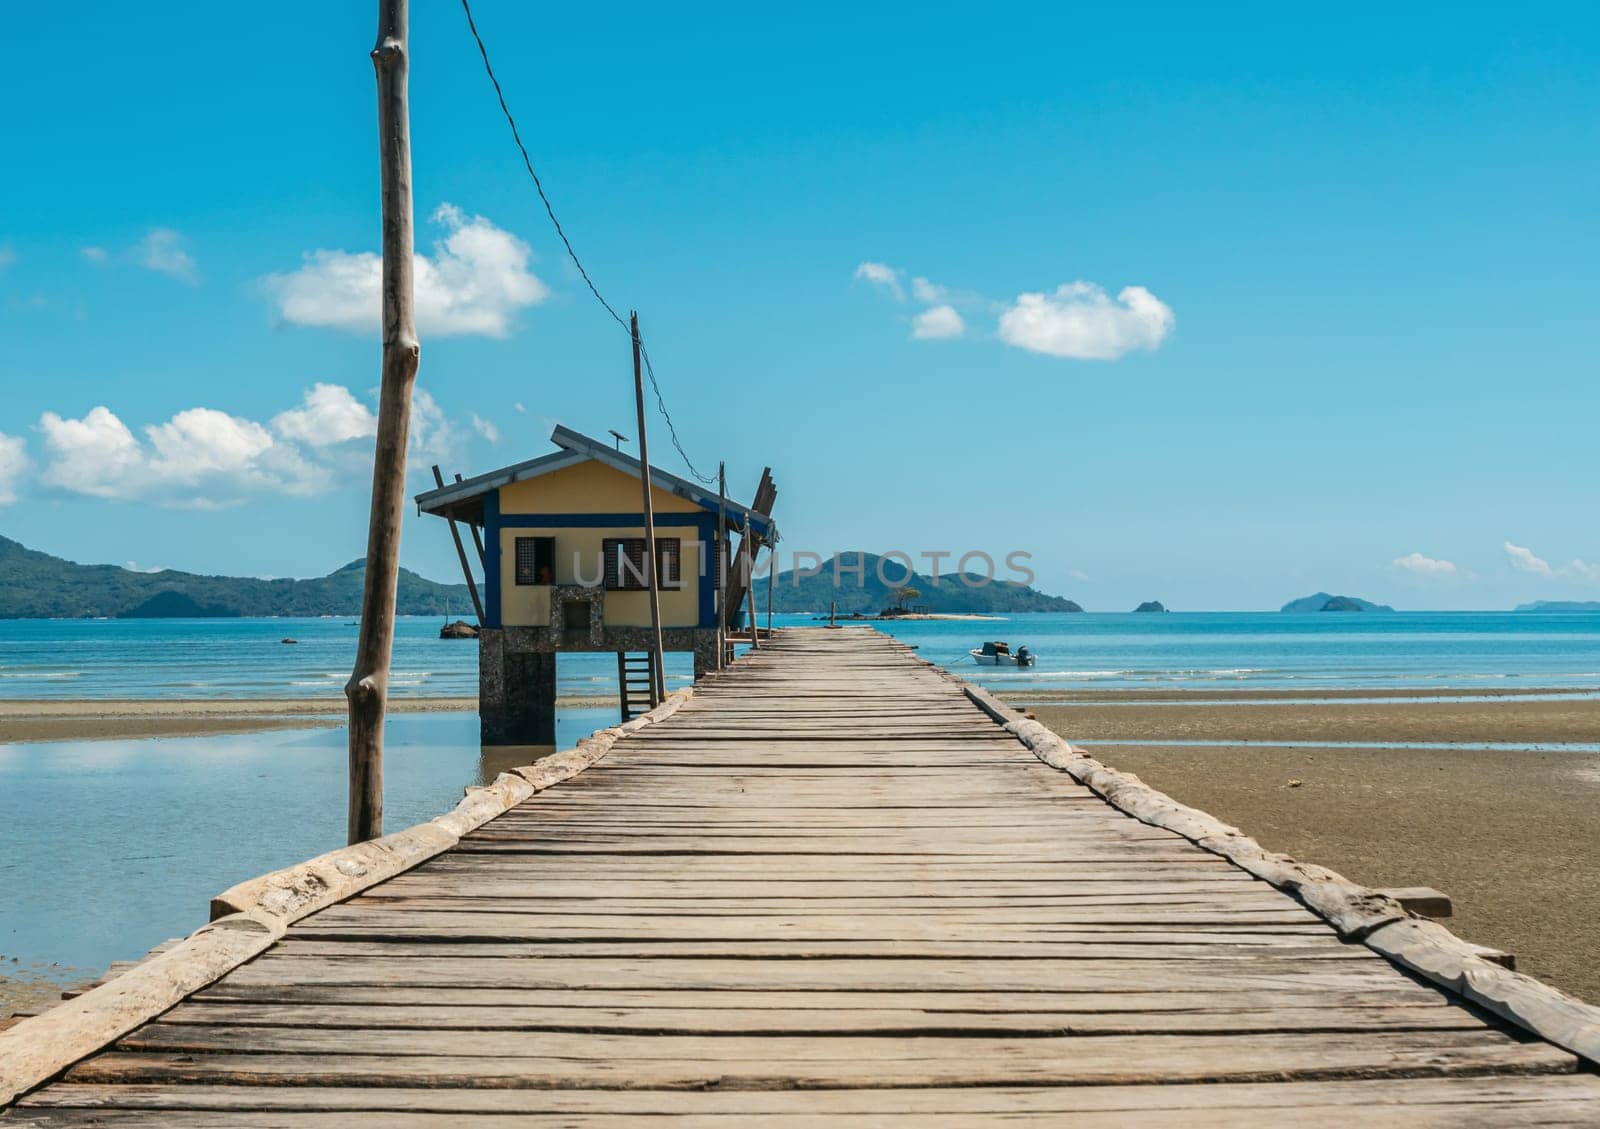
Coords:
578,560
587,488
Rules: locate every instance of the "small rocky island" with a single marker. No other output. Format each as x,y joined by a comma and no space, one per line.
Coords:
1327,602
1150,606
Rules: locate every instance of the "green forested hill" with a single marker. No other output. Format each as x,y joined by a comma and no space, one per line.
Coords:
35,585
950,594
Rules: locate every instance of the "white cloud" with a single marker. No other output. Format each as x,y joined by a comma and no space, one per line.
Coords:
13,464
1523,560
434,439
937,323
485,428
97,255
200,457
1580,567
937,294
95,455
520,408
882,274
1081,321
474,283
1425,566
327,414
204,458
162,250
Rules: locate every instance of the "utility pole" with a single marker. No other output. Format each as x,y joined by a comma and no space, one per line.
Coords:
368,689
658,683
723,560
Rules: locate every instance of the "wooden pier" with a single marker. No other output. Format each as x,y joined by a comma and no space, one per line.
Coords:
828,889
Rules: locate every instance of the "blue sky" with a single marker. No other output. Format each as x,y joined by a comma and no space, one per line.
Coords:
1336,308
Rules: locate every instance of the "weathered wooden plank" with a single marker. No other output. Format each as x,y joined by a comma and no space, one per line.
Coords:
1398,993
815,1021
910,974
670,1062
1456,1101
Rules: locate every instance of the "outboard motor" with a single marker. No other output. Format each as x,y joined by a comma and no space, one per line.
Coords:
1023,657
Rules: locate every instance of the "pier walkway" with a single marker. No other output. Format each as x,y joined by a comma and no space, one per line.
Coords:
829,889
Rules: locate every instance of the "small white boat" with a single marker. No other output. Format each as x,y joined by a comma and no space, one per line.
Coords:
999,654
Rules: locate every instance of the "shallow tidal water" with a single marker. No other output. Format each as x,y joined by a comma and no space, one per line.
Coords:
108,848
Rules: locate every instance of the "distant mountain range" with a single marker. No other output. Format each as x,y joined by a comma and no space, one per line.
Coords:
1560,606
1323,602
951,594
35,585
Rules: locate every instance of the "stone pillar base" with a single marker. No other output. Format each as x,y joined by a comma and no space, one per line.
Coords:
516,694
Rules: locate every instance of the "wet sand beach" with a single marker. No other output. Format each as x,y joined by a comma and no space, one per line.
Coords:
1505,718
1512,837
53,719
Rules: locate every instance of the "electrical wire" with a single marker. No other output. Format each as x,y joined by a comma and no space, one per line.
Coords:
527,162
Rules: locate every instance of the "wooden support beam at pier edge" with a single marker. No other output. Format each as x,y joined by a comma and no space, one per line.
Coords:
477,538
461,555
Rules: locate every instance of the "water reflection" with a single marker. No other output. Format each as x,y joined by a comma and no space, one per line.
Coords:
108,848
495,759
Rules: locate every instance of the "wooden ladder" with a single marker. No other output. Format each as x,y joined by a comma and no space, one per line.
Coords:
636,680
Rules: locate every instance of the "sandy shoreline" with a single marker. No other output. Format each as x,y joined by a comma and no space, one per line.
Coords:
65,719
1510,836
1177,695
1503,720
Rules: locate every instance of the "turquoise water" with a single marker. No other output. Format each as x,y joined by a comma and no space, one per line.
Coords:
1274,650
110,847
245,658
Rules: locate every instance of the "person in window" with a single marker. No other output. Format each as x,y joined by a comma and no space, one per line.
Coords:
545,575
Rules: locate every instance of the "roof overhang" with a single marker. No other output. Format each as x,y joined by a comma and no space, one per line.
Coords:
463,501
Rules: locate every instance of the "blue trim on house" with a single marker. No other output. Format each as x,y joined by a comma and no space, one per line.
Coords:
491,558
584,521
704,526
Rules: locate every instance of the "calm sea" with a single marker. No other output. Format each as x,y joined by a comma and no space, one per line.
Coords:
247,658
108,847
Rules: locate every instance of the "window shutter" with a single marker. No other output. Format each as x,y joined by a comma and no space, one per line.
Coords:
723,552
544,558
635,579
610,550
527,560
669,555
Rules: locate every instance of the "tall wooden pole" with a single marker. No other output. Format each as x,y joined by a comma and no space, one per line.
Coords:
724,561
772,580
368,688
658,679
